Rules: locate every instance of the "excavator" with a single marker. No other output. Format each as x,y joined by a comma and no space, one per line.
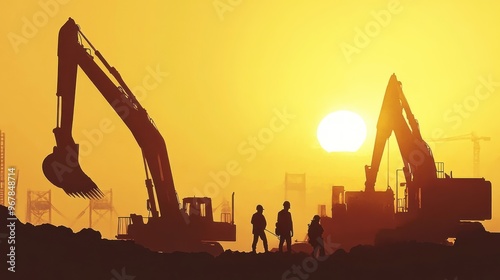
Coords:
189,227
434,206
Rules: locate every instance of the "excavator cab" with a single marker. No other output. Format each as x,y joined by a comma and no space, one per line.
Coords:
434,207
199,214
198,208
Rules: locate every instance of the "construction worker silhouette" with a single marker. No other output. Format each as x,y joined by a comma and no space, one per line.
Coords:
284,227
259,225
315,233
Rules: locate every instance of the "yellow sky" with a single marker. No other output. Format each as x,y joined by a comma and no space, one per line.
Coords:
214,74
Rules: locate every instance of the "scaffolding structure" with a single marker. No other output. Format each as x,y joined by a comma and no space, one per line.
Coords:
39,207
101,209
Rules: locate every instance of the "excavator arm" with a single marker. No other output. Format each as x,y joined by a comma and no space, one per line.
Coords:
434,207
62,167
417,157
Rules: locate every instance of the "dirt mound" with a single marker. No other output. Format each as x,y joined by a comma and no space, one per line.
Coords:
50,252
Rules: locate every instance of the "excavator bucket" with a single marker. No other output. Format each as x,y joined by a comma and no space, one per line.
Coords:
63,170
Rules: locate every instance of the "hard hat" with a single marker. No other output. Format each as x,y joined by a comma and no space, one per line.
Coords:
286,204
259,207
316,218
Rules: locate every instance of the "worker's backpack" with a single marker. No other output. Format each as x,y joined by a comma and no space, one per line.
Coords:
313,232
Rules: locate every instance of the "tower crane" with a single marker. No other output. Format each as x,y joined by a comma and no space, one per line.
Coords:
475,147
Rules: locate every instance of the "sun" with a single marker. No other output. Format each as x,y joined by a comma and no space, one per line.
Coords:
341,131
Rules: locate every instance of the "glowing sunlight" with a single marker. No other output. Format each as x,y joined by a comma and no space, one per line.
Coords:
341,131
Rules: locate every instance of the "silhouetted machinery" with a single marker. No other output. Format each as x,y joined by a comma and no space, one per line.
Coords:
172,227
434,206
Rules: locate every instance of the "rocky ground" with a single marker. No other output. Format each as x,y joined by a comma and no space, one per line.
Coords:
49,252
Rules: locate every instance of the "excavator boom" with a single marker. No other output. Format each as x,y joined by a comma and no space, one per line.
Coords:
416,154
171,228
67,174
433,208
